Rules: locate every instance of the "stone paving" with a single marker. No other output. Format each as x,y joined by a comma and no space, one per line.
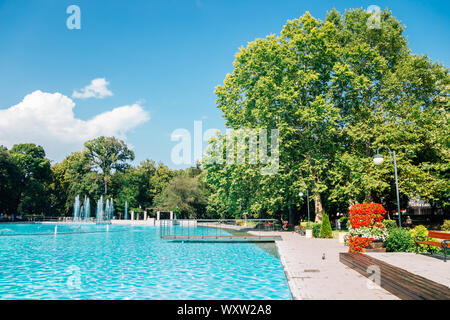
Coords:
312,277
430,267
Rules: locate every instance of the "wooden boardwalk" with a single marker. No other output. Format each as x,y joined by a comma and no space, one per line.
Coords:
397,281
231,238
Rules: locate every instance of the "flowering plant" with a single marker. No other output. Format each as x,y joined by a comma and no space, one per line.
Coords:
366,226
357,243
377,232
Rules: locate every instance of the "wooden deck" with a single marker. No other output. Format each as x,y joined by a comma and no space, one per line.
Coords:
200,238
403,284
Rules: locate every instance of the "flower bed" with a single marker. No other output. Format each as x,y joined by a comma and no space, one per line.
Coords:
366,226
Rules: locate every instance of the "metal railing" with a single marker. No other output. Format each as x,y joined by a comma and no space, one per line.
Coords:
220,230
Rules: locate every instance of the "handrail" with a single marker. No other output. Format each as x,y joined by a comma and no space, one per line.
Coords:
209,228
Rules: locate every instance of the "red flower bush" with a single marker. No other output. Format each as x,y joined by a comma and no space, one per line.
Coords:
364,215
357,244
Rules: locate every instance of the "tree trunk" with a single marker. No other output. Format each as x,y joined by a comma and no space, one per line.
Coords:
106,186
291,218
318,209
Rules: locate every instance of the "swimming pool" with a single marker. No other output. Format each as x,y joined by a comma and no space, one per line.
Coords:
131,262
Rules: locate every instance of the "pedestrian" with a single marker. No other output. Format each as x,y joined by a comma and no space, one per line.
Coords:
409,222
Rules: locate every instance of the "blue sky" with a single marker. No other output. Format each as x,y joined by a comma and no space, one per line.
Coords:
161,58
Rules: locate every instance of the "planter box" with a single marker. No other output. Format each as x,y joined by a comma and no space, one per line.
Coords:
377,246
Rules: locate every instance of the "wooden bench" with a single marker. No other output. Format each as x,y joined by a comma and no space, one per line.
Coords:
444,244
399,282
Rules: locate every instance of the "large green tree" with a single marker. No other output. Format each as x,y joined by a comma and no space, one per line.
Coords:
34,177
9,178
185,194
336,90
109,154
71,177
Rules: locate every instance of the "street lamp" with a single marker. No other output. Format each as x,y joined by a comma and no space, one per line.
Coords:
378,159
300,194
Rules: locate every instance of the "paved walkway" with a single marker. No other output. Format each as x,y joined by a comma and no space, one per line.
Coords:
430,267
311,277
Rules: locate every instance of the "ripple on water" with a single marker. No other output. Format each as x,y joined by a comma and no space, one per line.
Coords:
132,264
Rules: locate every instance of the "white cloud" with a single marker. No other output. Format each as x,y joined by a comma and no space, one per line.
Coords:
97,89
47,119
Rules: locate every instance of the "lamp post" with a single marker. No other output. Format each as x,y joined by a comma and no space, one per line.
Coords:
307,199
378,159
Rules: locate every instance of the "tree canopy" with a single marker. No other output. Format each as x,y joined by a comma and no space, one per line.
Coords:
108,154
336,90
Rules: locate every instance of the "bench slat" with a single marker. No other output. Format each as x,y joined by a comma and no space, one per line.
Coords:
439,235
430,243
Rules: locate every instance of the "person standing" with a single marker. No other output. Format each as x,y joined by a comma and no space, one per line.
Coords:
409,222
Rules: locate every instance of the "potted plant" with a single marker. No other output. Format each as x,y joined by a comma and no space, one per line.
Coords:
308,229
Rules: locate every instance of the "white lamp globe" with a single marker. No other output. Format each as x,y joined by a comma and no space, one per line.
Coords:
300,194
378,159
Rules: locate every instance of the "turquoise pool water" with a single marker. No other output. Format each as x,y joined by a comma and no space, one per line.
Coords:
131,262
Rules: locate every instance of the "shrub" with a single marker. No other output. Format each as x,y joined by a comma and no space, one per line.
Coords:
446,225
390,224
325,228
399,240
309,225
316,230
421,231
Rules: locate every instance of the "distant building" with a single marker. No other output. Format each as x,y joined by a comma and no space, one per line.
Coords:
419,207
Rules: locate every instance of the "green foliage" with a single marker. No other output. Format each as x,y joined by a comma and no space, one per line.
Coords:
108,154
446,225
29,185
184,194
344,222
33,180
399,240
325,229
9,180
422,232
316,229
307,225
71,177
390,224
